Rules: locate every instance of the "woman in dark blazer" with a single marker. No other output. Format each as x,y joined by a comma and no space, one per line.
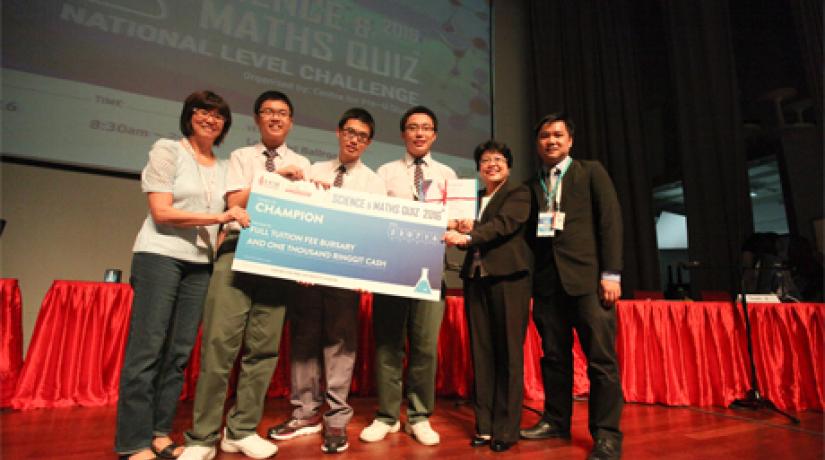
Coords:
496,274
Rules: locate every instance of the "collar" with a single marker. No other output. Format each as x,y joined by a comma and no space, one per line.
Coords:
336,162
545,170
409,159
281,149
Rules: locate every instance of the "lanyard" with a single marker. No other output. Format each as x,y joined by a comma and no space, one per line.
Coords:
553,194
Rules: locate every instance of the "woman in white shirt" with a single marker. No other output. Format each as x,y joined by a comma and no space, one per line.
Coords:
171,265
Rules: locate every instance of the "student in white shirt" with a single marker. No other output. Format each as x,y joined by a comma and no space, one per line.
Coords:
244,313
397,320
324,324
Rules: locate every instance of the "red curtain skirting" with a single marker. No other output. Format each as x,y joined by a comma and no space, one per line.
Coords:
695,353
789,351
674,353
76,351
455,366
682,353
11,338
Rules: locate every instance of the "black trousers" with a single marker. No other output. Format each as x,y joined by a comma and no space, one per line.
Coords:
556,314
498,310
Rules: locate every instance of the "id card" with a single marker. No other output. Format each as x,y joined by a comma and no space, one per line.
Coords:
544,226
558,221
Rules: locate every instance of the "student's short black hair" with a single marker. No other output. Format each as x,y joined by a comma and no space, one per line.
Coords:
273,95
418,109
359,114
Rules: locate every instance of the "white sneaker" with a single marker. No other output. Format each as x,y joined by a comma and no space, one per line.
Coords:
378,430
198,453
424,433
252,446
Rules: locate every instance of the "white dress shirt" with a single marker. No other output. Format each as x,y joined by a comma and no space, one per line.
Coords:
358,177
399,175
245,162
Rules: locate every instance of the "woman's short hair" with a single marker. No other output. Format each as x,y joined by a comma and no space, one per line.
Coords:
492,146
206,100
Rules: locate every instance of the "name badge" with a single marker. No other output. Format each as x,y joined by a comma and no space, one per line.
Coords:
544,227
558,221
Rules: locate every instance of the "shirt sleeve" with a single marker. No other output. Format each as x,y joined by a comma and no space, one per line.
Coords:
159,173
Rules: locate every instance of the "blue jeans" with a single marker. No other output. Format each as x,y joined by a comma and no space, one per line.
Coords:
166,312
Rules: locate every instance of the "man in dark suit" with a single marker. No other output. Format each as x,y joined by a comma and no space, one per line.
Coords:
577,245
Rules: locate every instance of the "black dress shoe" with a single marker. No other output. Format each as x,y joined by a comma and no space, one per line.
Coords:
479,440
544,430
606,449
500,446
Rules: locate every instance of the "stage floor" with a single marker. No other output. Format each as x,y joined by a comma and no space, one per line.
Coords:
651,432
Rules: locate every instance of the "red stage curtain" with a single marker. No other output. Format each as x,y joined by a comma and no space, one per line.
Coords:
76,351
363,381
455,361
674,353
681,353
363,375
455,368
11,338
455,371
789,352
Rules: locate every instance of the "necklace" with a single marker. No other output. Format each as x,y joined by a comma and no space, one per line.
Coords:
207,184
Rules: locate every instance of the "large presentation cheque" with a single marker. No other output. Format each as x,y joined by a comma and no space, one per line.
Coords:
342,238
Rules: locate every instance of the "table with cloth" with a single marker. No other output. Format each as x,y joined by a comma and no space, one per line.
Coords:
670,352
76,350
11,338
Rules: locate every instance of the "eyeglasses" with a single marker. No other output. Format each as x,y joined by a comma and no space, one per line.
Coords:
271,113
425,128
360,135
214,114
491,160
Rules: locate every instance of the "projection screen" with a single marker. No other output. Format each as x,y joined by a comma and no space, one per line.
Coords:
93,83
